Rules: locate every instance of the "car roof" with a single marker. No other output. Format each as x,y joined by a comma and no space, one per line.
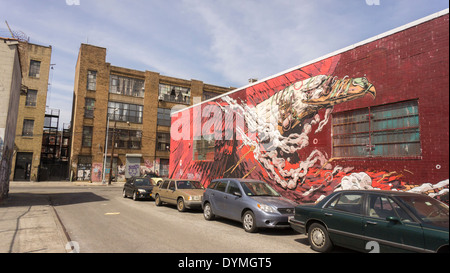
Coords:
171,179
238,180
386,192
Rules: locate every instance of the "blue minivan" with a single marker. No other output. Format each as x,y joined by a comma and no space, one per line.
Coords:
252,202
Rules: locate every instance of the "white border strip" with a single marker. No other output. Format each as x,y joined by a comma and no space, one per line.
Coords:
374,38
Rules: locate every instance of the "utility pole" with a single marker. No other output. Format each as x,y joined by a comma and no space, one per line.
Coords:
112,153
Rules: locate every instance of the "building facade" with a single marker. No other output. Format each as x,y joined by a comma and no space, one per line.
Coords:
10,88
372,115
129,108
30,121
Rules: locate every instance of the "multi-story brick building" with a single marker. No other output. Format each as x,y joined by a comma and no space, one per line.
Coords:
134,104
35,60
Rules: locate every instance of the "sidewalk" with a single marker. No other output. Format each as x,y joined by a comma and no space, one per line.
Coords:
31,225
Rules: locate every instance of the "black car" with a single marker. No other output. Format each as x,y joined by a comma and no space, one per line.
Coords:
375,220
138,188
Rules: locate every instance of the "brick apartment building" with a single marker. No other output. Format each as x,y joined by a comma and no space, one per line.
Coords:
35,64
134,104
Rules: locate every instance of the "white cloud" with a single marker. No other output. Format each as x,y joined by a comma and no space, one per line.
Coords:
221,42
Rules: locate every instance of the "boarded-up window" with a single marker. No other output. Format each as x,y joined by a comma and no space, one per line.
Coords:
390,130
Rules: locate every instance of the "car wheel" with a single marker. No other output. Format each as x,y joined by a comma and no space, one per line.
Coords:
124,194
135,198
158,200
249,222
180,205
318,238
207,212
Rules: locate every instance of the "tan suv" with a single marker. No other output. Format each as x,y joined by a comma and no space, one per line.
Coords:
186,194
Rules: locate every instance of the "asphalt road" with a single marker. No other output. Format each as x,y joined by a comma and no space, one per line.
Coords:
100,220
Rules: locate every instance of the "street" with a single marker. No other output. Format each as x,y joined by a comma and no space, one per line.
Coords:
99,220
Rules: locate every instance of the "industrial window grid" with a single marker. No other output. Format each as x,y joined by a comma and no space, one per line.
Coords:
125,139
163,142
163,117
172,93
126,86
390,130
126,112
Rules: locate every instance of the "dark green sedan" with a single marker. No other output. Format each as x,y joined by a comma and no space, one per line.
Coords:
375,221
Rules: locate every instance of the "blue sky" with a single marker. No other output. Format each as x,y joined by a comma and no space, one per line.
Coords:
220,42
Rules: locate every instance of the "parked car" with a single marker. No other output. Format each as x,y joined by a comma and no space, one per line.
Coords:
156,180
380,221
138,188
186,194
252,202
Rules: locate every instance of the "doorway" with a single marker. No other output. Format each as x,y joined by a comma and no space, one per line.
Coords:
22,171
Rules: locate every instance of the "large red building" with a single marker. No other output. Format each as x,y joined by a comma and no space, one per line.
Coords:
372,115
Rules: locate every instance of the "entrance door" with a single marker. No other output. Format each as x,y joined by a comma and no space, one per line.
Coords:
22,171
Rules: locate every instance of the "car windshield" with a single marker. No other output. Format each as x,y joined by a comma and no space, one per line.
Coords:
255,188
142,182
430,210
189,185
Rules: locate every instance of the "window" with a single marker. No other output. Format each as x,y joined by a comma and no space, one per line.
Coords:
163,117
164,184
212,185
173,93
126,86
380,207
28,126
347,202
87,136
126,112
209,95
89,108
222,186
233,187
35,67
31,98
163,142
92,80
125,139
204,148
382,131
383,207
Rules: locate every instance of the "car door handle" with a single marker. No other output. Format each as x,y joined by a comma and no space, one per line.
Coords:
371,222
328,214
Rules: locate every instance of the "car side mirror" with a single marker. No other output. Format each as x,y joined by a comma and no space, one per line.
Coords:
237,193
393,219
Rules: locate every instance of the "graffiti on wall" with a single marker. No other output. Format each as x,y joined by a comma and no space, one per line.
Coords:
274,141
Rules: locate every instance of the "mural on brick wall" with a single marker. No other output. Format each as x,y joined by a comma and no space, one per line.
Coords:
270,129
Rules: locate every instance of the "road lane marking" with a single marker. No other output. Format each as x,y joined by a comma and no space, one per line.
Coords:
112,213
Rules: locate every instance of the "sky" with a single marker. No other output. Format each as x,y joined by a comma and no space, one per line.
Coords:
219,42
